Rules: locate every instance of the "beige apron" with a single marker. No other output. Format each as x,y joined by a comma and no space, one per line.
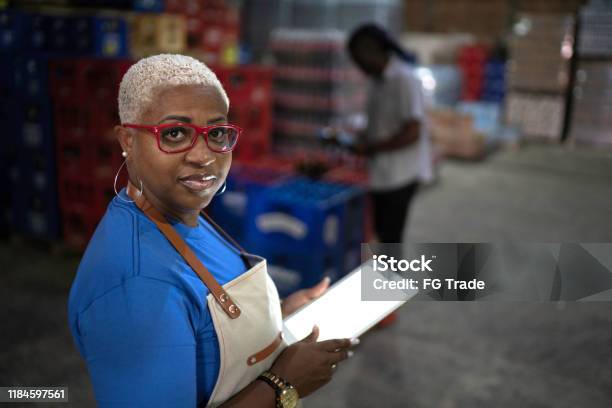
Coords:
245,312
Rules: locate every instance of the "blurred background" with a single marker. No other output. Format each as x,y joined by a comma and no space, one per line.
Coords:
519,109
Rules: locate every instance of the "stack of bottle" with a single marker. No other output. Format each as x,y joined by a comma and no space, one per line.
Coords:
538,74
315,83
592,94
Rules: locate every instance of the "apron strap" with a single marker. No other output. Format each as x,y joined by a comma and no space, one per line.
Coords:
220,295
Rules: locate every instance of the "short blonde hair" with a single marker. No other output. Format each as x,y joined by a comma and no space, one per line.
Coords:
140,82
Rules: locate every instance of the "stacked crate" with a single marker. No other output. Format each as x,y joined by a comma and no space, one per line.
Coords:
471,61
244,183
592,94
157,33
538,74
315,84
494,85
63,34
33,184
249,89
486,19
85,110
213,29
306,230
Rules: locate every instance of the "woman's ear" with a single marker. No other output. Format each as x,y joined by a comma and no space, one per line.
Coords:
125,138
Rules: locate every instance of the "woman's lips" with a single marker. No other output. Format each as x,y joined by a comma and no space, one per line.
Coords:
198,184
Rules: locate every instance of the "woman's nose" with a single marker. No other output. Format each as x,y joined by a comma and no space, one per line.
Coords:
200,154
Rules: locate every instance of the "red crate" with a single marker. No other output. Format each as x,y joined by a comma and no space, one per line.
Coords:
76,191
76,131
87,80
186,7
100,79
252,145
78,225
65,80
73,159
106,160
250,118
251,82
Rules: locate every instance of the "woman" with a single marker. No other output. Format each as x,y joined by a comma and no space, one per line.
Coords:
166,310
396,140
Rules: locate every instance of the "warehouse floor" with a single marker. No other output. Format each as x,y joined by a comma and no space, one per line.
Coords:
438,354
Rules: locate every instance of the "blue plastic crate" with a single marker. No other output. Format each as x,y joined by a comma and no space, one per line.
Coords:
110,37
292,271
35,213
149,5
495,69
58,34
13,30
35,121
10,122
37,31
37,171
82,37
305,215
229,210
31,76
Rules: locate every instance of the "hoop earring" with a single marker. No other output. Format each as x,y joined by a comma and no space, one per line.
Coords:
115,185
222,189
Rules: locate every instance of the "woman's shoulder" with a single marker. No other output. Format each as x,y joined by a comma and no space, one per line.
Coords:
127,245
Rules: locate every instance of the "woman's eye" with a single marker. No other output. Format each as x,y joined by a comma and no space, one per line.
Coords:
216,134
174,134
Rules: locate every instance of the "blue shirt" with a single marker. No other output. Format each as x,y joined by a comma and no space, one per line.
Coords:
138,313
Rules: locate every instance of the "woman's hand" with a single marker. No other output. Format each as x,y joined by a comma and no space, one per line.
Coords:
296,300
309,365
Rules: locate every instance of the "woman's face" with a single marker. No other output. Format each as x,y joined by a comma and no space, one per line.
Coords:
174,182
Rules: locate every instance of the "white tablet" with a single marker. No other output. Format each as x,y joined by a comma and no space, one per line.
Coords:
340,312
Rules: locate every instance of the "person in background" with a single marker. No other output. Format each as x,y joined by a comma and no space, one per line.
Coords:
395,140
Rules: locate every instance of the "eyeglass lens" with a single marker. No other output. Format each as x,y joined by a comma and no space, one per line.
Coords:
176,138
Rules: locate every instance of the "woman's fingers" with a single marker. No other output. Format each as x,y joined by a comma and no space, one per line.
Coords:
338,356
337,344
312,337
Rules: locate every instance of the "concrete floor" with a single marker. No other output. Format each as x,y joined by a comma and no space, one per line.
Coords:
442,355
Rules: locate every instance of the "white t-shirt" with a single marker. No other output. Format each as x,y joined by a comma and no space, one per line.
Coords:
392,101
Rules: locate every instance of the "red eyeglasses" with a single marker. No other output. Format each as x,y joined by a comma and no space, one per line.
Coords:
180,137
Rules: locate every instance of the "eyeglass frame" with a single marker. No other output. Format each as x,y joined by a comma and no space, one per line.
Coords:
200,130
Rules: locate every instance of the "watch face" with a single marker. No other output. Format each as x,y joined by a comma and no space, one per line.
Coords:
289,398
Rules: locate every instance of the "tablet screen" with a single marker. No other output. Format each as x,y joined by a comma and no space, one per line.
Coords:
339,312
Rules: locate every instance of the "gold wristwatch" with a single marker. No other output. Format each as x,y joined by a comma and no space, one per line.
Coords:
286,394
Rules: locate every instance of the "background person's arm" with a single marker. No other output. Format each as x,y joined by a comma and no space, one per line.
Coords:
406,136
409,102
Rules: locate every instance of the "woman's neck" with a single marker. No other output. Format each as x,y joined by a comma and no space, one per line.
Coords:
189,218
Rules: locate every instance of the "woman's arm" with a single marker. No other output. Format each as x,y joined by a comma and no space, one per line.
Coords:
256,395
139,346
